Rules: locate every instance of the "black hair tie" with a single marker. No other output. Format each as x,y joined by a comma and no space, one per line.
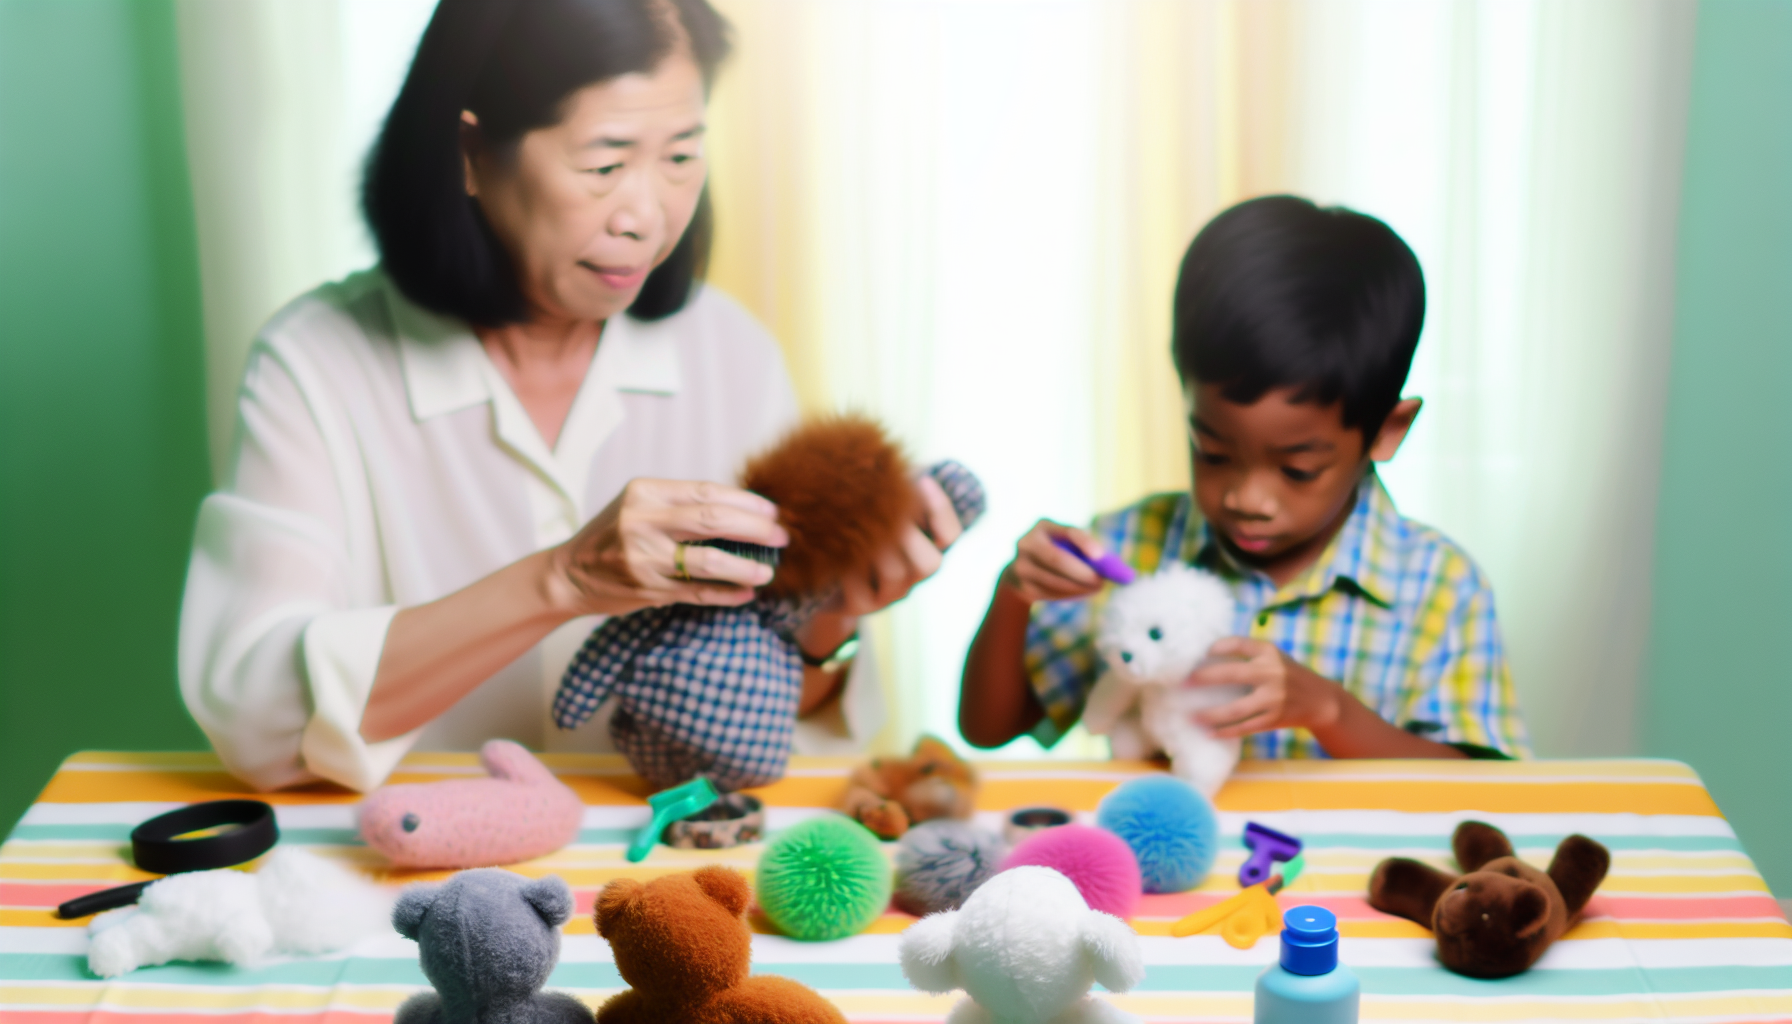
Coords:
156,846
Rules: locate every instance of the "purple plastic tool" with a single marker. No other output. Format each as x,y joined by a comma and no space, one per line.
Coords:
1108,567
1267,848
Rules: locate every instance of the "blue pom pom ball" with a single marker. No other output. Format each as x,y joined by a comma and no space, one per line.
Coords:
1171,828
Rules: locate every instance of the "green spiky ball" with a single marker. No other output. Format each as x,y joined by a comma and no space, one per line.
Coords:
825,878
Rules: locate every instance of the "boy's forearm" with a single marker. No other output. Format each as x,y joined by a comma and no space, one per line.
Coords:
1360,732
995,699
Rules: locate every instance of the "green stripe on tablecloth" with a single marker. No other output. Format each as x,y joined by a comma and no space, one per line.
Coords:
1407,981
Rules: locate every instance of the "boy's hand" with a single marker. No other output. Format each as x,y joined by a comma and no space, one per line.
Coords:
1283,693
1042,571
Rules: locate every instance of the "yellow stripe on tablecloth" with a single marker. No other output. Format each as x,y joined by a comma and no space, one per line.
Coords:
1469,771
1515,787
175,998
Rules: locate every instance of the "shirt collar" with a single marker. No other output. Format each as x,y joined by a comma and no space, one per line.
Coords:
446,369
1359,555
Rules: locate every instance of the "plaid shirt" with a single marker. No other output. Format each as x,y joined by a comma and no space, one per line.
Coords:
1393,610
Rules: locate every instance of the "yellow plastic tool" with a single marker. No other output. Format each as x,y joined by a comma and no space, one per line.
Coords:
1246,917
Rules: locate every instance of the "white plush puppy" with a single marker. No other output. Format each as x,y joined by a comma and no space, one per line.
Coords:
1026,949
1152,635
297,903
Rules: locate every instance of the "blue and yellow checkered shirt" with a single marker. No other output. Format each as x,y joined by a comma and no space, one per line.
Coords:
1393,610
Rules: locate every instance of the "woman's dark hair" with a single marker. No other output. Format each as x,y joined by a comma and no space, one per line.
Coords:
1279,293
513,63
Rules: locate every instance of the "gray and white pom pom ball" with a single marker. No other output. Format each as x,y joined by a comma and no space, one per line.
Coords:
940,863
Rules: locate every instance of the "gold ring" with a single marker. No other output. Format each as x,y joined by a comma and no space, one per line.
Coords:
678,562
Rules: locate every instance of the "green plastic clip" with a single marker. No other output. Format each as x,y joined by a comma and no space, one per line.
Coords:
669,805
1292,869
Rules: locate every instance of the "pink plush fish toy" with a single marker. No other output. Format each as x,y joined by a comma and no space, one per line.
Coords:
520,813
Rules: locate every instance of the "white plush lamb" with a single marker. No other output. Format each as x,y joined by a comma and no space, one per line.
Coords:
1152,635
1025,948
297,902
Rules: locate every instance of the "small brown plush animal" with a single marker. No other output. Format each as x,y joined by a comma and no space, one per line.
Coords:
1498,918
892,793
683,943
844,491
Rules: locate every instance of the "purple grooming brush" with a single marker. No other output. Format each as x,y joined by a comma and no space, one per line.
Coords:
1267,848
1108,567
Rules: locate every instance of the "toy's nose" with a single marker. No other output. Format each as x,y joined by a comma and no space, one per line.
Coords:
1125,655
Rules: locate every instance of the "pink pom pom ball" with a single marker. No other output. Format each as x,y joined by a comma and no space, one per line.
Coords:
1098,862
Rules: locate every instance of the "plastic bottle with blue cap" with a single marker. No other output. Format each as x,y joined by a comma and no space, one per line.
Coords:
1307,985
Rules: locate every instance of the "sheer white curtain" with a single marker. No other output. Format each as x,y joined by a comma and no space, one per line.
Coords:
1529,150
965,216
281,99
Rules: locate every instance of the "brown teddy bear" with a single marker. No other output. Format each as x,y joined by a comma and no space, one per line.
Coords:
1498,918
682,941
890,794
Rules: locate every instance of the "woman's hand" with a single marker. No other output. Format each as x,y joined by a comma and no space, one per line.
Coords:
916,556
626,557
1043,571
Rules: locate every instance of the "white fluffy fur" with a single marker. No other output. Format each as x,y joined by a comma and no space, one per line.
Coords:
1139,702
297,903
1026,949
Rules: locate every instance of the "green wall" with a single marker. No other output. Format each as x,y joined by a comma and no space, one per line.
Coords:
1720,687
102,432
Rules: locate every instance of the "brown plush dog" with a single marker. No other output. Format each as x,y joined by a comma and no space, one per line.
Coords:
892,793
683,943
1498,918
844,491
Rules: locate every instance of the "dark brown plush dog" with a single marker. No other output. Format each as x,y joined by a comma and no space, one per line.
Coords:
683,943
892,793
1498,918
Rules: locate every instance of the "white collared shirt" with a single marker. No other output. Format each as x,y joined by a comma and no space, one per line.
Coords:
382,462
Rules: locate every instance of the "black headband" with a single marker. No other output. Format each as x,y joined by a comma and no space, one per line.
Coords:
156,846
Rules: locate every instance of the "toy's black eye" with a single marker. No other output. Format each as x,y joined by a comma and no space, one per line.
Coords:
1155,634
927,769
1126,656
410,823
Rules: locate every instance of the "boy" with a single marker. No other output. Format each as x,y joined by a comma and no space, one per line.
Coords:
1361,633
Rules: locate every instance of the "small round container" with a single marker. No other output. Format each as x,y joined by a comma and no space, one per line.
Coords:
1028,820
735,819
1307,985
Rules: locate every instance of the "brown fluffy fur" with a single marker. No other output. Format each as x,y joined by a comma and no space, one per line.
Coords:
682,941
844,492
1502,915
892,793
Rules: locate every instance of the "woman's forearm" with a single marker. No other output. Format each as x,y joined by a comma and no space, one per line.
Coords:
996,702
822,635
437,653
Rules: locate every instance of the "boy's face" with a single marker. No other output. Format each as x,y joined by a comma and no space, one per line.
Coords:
1276,478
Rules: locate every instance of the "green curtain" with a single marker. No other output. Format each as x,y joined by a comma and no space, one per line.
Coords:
102,429
1720,687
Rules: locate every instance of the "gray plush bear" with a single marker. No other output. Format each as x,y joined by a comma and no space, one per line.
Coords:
487,939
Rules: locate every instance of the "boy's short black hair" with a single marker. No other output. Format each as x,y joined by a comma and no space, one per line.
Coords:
1279,293
513,63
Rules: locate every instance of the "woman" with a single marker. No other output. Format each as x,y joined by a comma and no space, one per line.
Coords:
406,554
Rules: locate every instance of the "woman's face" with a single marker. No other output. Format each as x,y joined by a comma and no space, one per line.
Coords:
588,206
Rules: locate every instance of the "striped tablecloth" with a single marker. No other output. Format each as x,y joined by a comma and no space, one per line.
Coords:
1684,929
